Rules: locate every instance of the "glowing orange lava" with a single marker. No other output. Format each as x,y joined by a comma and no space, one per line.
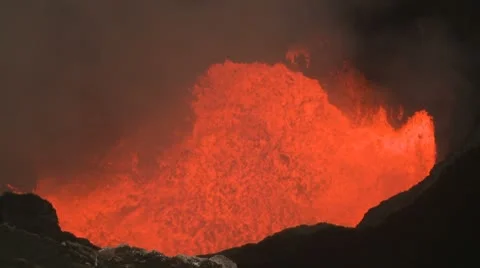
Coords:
267,151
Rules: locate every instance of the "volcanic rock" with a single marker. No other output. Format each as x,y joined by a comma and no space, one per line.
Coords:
124,255
33,214
433,224
29,212
378,214
31,237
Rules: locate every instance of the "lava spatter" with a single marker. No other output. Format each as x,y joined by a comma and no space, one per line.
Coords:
267,151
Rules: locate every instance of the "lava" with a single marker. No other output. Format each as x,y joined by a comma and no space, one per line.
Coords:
267,151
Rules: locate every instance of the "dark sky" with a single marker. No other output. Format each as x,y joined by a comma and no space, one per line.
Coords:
75,76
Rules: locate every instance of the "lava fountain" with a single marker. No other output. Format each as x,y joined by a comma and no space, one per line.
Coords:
267,151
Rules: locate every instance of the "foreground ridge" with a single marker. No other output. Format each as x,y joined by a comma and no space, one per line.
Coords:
31,237
433,223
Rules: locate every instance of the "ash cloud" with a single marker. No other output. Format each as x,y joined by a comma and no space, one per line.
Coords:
78,76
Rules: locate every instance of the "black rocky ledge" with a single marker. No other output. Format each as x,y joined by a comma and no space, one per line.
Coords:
435,223
30,237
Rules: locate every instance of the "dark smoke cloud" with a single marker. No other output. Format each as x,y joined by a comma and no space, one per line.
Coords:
421,52
78,76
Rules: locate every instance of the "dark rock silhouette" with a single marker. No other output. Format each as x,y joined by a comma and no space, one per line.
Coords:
33,214
30,213
31,237
435,223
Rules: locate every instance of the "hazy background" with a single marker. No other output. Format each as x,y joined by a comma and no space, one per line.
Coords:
76,76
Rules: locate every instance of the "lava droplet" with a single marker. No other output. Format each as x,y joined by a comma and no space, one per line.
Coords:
267,151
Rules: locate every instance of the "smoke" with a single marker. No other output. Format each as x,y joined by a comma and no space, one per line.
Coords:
77,77
421,54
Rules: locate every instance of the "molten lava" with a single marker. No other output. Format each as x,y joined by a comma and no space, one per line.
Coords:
267,151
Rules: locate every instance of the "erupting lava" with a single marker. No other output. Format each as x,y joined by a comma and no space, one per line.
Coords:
267,151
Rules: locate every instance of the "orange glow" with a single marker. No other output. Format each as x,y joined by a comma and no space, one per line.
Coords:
267,151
